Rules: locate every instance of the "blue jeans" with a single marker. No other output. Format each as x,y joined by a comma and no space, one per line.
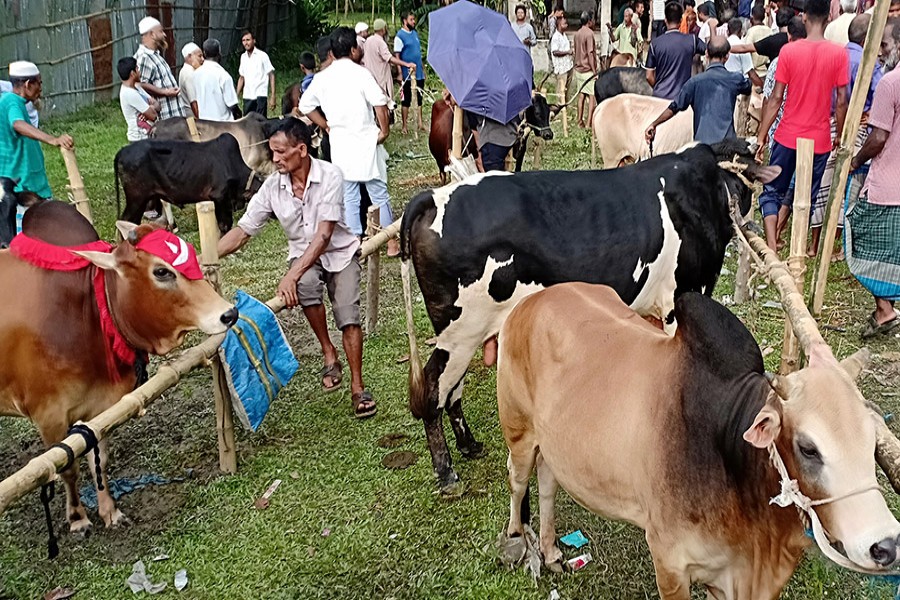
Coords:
493,157
378,192
774,192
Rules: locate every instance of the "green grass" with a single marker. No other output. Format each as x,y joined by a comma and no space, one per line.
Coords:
391,535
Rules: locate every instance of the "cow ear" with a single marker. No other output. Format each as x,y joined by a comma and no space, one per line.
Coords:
555,108
765,174
856,362
104,260
128,231
767,424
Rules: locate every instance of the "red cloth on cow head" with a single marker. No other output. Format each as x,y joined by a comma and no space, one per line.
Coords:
173,250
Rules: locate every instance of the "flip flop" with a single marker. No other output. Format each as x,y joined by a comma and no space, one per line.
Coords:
335,371
363,405
874,328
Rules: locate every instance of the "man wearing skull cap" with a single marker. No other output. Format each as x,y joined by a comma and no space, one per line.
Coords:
156,75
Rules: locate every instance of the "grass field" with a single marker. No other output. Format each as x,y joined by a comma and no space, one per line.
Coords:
341,525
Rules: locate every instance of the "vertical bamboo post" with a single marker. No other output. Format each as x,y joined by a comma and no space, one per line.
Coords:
414,87
456,148
373,280
538,148
561,96
192,128
842,157
76,184
790,351
209,260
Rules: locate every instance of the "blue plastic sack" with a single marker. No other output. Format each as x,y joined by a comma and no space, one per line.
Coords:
258,360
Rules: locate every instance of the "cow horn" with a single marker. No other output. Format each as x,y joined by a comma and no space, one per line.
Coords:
780,385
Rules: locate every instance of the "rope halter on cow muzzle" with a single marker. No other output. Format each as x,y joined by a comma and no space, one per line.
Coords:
791,494
737,168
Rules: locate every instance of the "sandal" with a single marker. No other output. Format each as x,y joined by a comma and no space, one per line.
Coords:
363,405
335,372
874,328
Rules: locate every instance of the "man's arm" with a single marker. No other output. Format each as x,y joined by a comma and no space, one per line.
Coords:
195,108
651,76
840,114
160,92
754,79
872,148
234,240
240,85
770,111
24,128
271,90
287,289
743,48
650,133
316,116
384,124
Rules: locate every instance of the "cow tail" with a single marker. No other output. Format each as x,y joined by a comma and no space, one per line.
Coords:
417,403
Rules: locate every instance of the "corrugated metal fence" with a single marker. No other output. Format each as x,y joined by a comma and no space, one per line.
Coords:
76,43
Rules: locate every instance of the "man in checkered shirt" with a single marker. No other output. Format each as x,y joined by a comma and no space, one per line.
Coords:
156,75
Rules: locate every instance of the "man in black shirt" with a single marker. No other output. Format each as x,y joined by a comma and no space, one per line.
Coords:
772,45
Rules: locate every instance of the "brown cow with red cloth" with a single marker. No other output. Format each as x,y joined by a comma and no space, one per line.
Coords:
74,334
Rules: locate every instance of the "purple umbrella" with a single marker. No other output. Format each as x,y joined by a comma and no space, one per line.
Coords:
481,61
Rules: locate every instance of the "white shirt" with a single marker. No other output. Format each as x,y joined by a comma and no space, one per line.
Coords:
186,82
215,92
738,63
134,101
659,10
347,94
255,69
704,33
837,30
560,43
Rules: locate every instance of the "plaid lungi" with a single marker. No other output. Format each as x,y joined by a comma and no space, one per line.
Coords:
817,214
872,246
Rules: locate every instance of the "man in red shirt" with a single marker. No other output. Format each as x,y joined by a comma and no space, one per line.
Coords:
815,70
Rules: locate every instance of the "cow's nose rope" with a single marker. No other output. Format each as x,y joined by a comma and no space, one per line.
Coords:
791,494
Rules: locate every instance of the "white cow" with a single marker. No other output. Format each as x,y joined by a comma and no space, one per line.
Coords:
620,122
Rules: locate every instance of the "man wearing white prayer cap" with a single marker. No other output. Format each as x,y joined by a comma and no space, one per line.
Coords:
156,75
193,58
21,156
362,32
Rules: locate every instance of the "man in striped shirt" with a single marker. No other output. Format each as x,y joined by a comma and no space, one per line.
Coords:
156,75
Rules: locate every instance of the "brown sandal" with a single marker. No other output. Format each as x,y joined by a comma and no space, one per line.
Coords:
363,405
336,372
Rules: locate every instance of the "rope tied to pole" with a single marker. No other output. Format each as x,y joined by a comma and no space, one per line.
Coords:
48,490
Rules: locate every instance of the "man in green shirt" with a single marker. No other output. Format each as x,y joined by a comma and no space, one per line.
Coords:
21,157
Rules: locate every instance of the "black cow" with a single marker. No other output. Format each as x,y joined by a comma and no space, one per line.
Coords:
184,173
621,80
537,119
9,201
650,231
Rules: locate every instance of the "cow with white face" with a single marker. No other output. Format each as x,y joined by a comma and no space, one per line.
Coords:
651,231
685,437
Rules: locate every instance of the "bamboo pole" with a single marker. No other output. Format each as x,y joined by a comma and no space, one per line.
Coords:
373,280
209,260
538,149
414,91
790,352
887,446
43,468
192,128
76,184
561,96
842,157
457,140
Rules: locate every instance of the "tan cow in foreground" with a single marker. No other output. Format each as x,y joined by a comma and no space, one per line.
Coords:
671,434
72,334
620,122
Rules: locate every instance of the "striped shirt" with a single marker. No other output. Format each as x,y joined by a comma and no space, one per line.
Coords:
156,71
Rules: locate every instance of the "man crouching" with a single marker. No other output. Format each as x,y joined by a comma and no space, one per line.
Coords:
307,198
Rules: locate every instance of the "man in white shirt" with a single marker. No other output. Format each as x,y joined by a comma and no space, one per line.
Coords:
837,30
255,73
193,58
740,63
216,97
561,53
348,94
362,34
138,108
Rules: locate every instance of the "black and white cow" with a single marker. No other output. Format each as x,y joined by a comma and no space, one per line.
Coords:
650,231
185,173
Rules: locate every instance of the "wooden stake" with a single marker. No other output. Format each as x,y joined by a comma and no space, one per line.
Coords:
414,87
209,261
538,148
790,352
456,148
76,184
192,127
373,279
842,157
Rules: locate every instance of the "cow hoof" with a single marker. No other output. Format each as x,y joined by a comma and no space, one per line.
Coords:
471,450
452,487
556,566
81,529
512,550
118,519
